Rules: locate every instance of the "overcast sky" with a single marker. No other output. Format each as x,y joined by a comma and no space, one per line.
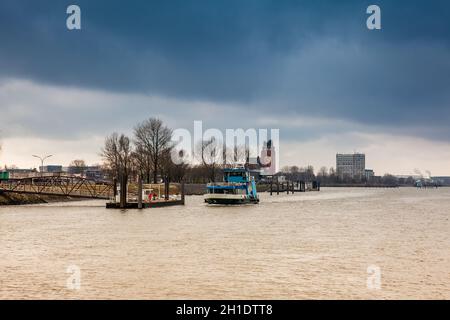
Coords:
310,68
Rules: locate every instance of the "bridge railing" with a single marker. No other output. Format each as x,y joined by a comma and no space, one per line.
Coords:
59,186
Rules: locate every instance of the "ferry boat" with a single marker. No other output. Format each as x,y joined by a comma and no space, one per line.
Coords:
238,187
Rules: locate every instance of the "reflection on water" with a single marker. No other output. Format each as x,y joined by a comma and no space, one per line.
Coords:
314,245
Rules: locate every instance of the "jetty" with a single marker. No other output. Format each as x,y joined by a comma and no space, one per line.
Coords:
144,196
277,185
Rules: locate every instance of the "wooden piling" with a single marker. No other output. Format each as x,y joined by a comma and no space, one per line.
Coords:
182,192
271,185
166,188
140,187
123,191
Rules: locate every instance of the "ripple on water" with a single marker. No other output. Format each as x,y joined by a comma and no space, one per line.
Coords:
310,245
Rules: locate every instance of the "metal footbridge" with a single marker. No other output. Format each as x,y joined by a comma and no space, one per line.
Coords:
64,186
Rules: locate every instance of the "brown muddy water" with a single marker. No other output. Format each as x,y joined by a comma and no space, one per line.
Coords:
339,243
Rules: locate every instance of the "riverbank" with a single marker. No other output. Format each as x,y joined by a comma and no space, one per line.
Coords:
361,185
12,199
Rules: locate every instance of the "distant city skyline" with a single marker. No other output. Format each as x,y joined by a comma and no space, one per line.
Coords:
312,70
92,158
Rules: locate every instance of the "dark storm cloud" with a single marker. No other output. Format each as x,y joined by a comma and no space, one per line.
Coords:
295,57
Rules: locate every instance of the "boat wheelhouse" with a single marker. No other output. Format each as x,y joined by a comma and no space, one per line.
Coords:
238,187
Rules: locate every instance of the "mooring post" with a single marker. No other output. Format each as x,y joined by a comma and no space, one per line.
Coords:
271,185
182,192
140,187
123,191
278,187
120,190
166,188
115,189
287,186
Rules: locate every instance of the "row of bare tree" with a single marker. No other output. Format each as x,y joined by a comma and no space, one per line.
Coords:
148,155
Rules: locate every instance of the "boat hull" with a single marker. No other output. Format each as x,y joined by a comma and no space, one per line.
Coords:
225,201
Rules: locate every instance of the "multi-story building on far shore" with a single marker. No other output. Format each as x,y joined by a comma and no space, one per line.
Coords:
351,165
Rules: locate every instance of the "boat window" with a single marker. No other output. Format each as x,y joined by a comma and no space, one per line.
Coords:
236,174
222,191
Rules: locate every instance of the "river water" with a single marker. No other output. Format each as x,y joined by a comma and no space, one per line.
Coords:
333,244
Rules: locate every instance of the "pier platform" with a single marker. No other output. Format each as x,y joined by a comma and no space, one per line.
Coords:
145,205
144,196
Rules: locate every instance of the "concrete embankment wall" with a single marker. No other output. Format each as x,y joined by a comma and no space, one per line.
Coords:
191,189
356,185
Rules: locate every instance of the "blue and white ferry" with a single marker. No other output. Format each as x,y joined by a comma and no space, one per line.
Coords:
238,187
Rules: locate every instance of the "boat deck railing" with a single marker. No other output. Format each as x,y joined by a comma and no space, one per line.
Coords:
225,184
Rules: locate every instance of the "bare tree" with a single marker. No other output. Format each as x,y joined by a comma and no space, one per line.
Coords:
142,163
238,154
211,153
174,171
117,155
332,172
77,166
295,170
309,172
286,169
78,163
153,139
0,145
323,172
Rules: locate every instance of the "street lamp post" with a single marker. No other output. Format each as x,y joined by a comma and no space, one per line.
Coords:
42,162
